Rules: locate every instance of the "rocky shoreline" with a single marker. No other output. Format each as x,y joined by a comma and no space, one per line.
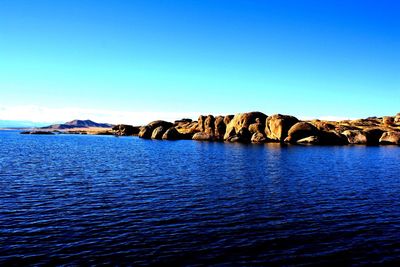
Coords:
256,127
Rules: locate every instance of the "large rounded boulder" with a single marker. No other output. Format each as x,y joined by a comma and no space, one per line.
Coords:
145,132
277,126
202,136
243,120
158,132
171,134
301,130
390,138
356,137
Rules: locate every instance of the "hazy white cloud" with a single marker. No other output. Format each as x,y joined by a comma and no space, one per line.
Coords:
63,114
40,114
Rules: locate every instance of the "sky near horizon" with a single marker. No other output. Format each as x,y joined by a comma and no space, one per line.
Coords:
135,61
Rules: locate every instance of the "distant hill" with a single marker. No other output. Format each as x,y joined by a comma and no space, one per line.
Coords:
78,124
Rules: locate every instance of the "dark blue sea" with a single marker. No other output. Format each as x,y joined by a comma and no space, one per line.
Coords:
94,200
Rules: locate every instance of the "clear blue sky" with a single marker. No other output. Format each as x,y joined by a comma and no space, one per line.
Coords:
306,58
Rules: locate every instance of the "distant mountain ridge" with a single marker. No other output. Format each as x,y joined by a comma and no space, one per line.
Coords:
77,124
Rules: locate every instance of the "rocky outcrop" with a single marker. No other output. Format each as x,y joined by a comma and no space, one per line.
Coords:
256,127
390,138
301,130
277,126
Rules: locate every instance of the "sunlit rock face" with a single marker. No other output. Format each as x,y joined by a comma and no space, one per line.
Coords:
256,127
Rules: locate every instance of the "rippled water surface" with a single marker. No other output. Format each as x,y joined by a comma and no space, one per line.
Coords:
103,200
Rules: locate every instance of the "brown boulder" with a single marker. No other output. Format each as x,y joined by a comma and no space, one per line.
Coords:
390,138
257,127
311,140
369,122
397,118
155,124
125,130
188,128
258,138
356,137
220,128
301,130
182,121
277,126
229,134
172,134
158,133
209,124
243,120
200,123
202,136
332,138
242,136
323,125
145,132
227,119
387,120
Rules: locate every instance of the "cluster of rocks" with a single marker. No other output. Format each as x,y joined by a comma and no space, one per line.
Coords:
256,127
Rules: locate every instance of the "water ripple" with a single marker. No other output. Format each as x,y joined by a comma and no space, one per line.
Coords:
72,200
